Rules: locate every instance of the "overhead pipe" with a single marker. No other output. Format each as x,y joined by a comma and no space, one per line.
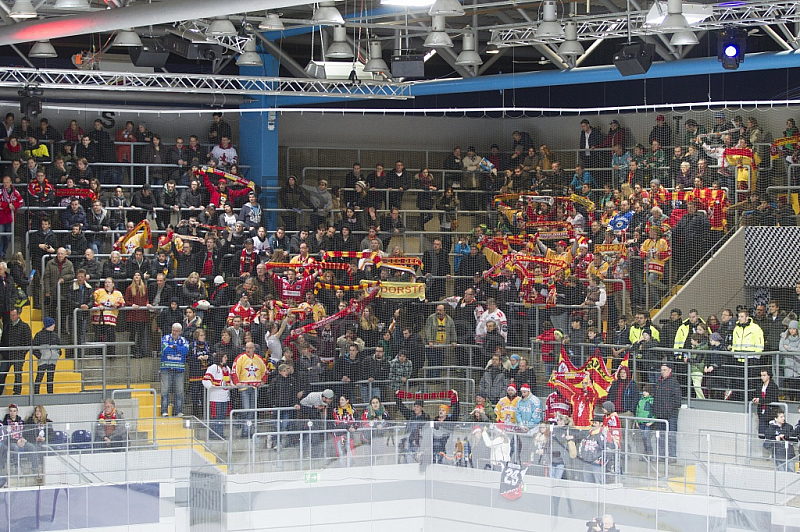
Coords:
602,74
134,16
90,96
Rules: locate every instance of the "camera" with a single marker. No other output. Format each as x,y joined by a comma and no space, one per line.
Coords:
595,522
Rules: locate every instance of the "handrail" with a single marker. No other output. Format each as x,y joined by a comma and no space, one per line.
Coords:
137,390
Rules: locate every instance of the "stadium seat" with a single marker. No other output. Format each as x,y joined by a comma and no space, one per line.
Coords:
81,440
60,441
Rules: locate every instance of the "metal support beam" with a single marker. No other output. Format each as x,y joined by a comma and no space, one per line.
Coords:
790,38
554,58
492,60
294,68
777,38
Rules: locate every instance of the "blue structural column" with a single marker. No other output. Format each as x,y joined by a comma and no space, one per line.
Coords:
258,147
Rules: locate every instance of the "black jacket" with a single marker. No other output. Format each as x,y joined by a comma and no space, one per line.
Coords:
666,398
8,293
19,334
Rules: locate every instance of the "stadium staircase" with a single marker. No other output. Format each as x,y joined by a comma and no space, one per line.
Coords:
169,432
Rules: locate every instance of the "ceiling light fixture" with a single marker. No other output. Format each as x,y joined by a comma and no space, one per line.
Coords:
327,15
446,8
22,9
683,38
339,49
73,5
127,38
273,22
249,57
407,3
468,55
549,27
675,20
376,62
221,27
570,47
42,49
438,38
315,70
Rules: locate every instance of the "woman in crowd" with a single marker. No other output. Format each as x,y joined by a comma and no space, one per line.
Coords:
138,320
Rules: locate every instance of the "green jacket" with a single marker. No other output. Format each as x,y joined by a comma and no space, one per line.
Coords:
645,407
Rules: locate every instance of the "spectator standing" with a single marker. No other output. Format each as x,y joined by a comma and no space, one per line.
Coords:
19,335
10,202
399,180
59,271
217,382
762,398
105,312
174,350
248,373
667,405
747,343
436,266
47,354
440,332
219,128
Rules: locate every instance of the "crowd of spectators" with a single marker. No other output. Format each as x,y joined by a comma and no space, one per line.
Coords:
225,288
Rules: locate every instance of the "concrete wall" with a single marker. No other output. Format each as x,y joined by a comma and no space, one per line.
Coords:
717,285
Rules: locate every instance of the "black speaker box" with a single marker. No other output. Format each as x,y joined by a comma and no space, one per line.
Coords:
634,59
147,57
408,66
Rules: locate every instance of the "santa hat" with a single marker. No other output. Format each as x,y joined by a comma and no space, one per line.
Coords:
524,387
512,386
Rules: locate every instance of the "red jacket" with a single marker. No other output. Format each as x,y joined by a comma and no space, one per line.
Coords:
215,195
7,199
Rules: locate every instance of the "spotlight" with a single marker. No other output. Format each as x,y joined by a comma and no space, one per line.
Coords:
731,47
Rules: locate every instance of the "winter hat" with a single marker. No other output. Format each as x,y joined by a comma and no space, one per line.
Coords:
608,406
598,418
512,386
717,337
49,322
219,279
524,387
419,402
362,184
327,394
514,357
446,408
793,324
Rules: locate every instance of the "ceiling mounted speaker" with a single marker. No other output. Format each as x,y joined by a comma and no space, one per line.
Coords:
634,59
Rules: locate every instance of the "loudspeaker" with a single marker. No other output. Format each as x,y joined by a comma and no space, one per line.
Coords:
634,59
30,107
408,66
152,54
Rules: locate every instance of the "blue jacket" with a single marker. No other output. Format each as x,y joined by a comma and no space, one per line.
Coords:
173,353
529,412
